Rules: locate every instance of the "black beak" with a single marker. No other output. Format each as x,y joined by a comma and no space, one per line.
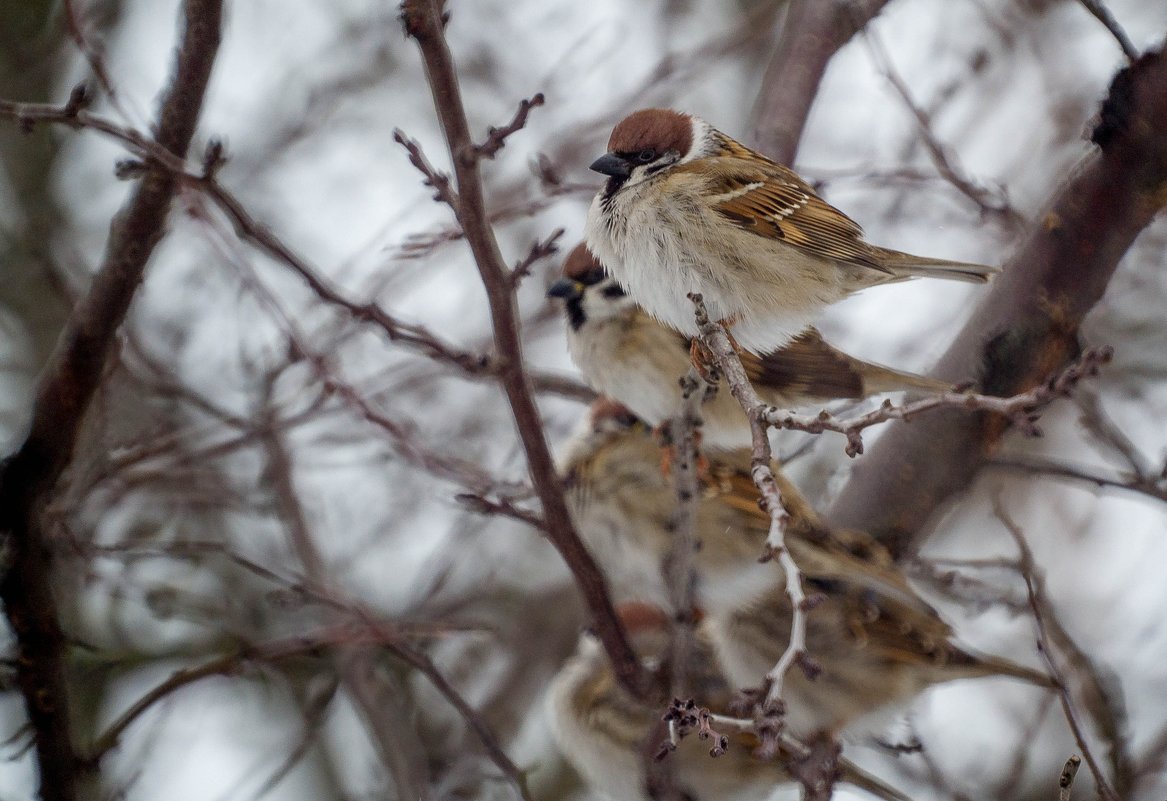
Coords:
611,164
566,288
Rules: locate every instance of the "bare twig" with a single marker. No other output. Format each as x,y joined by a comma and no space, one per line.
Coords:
539,251
93,55
350,662
817,765
68,383
481,729
1066,780
496,137
505,507
1103,15
1042,467
424,21
989,200
1100,426
231,664
1039,606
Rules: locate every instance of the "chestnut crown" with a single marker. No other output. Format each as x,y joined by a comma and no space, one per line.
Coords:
656,130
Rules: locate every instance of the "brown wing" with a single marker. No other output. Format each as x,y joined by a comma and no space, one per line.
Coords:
806,368
771,201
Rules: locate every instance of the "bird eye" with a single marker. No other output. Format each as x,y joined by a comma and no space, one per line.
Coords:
646,156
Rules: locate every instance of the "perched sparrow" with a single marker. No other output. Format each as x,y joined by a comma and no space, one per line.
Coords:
623,506
625,354
605,733
872,643
688,209
875,642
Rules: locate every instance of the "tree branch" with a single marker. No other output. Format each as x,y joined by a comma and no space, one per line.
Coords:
67,385
1027,326
424,21
1103,15
812,32
715,338
1039,605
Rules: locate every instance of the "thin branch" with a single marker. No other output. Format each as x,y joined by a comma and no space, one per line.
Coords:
990,201
387,735
502,506
92,54
496,137
67,385
1066,779
540,250
1022,410
472,719
1039,605
1041,467
424,21
231,664
1099,425
805,762
716,340
1103,15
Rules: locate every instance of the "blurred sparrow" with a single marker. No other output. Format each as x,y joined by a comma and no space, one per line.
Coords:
623,506
873,641
606,734
625,354
688,209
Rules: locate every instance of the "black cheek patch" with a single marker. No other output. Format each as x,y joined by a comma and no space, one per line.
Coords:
575,313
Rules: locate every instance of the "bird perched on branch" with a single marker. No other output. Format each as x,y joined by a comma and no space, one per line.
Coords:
686,209
608,735
625,354
872,642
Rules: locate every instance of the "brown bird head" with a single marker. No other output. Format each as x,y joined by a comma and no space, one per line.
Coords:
587,291
643,143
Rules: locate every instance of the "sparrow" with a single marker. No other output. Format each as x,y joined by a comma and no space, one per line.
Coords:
686,209
627,355
874,643
623,504
605,733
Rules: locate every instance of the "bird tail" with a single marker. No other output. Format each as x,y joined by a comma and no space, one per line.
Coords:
905,265
878,379
996,666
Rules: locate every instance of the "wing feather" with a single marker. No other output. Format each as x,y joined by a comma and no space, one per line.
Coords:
769,200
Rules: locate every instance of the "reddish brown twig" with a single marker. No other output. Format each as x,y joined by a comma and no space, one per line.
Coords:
424,22
496,137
